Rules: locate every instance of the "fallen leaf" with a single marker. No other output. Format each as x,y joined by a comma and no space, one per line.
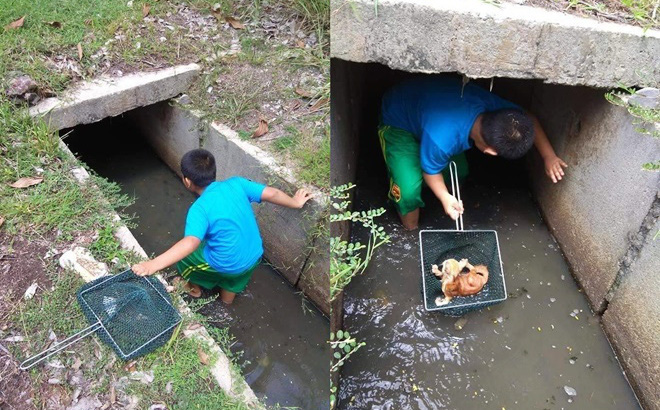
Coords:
26,182
145,10
303,93
76,365
15,24
80,53
234,23
30,291
54,24
2,220
261,129
194,326
300,44
318,104
295,105
130,366
203,357
113,395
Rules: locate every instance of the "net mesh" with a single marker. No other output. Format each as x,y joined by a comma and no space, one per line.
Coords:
135,312
480,248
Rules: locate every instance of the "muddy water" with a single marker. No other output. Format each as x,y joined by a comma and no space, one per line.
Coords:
282,337
516,355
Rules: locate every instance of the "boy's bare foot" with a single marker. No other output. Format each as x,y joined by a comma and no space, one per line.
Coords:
193,290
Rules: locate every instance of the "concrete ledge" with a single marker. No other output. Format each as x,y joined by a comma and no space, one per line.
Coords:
286,233
92,101
482,40
631,322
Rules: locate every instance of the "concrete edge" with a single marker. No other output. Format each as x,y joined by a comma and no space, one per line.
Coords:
481,40
91,101
222,372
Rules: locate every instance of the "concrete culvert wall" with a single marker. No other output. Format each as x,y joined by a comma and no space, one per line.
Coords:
603,214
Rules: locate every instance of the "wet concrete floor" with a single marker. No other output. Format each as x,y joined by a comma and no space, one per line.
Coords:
518,354
281,335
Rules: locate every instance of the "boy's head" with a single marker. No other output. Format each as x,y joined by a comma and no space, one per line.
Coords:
198,167
510,133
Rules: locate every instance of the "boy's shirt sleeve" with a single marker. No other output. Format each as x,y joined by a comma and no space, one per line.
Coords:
196,223
252,189
433,159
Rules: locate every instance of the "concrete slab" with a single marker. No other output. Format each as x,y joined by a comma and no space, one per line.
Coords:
605,195
631,322
482,40
104,97
315,278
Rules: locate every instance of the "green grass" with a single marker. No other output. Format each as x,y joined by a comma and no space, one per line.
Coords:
314,161
88,22
316,14
59,202
644,13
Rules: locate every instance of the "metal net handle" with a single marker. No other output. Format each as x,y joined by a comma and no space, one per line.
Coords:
39,357
455,191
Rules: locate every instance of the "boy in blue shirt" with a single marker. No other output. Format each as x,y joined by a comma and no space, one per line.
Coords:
428,121
221,244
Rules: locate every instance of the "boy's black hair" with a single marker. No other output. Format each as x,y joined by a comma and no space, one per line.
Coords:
198,165
510,132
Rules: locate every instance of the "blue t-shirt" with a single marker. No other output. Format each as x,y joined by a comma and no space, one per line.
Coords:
433,109
222,216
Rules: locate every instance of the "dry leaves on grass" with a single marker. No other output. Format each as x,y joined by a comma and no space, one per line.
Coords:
321,102
303,93
194,326
130,367
203,357
26,182
145,10
80,53
234,23
15,24
261,129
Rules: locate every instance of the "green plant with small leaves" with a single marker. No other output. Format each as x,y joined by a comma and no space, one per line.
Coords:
348,259
343,346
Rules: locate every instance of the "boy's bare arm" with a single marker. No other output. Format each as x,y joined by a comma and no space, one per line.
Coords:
553,164
178,251
277,197
453,207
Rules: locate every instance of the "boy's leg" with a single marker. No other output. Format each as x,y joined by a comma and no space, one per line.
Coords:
227,296
401,153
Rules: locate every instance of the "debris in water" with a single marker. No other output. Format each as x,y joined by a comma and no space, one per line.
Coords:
460,323
570,391
553,300
572,360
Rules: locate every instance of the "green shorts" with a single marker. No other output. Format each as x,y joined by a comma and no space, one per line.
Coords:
194,269
401,153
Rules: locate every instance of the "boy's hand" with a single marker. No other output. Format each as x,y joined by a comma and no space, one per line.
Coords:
453,207
144,268
553,168
301,197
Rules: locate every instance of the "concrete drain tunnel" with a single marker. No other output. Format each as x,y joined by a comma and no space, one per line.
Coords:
550,291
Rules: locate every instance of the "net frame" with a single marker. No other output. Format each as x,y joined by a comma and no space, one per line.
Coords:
105,334
461,304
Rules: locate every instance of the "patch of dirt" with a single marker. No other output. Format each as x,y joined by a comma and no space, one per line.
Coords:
602,10
20,266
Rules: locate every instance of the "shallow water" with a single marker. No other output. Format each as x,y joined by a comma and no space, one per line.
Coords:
281,335
518,354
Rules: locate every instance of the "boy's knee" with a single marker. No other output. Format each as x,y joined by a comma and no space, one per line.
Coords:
407,198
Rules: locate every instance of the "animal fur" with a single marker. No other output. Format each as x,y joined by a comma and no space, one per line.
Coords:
457,283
